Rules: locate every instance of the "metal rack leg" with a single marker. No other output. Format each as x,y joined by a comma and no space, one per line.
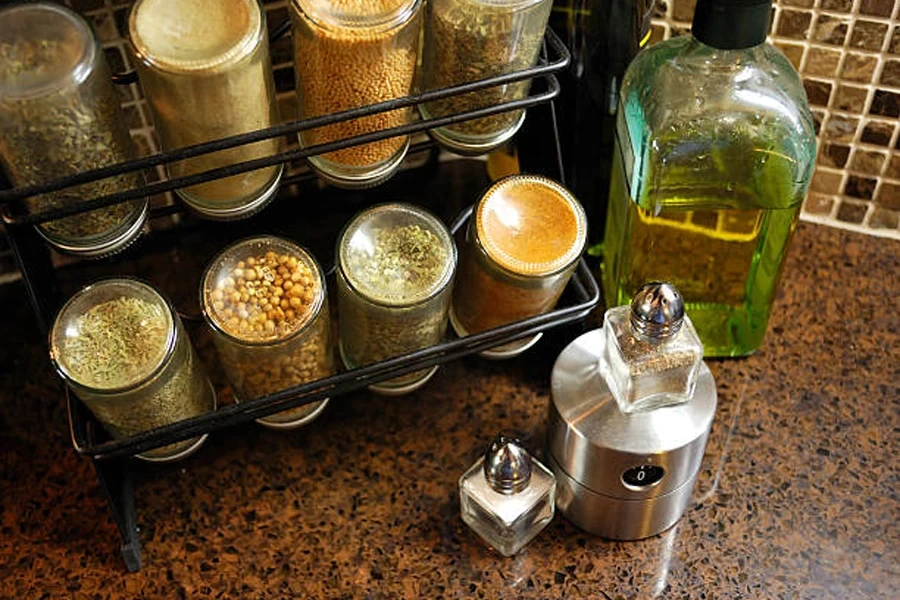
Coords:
118,487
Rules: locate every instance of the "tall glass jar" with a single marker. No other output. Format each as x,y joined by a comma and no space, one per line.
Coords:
468,40
204,66
349,54
522,245
264,299
59,116
121,348
395,265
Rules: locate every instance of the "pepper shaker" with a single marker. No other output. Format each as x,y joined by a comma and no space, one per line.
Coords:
507,497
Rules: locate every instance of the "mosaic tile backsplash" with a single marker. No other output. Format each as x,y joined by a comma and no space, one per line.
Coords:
848,52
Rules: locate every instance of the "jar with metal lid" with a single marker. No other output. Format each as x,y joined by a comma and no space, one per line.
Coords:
522,244
395,267
350,54
121,348
205,69
468,40
264,298
59,116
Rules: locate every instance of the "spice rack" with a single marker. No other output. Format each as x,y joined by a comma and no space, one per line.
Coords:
112,459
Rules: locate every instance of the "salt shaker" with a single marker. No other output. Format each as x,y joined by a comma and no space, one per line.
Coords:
652,353
507,497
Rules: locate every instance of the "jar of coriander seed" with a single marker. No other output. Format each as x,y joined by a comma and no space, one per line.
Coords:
264,298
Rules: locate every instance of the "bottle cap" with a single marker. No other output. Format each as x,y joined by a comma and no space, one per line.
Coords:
732,24
507,465
657,312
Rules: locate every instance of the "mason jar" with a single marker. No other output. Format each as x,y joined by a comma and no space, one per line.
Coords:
521,246
205,69
122,350
347,55
468,40
395,267
264,298
59,116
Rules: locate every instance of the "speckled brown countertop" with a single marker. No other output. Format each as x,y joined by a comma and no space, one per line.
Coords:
797,498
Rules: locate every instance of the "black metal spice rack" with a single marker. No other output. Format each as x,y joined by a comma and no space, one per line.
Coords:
112,458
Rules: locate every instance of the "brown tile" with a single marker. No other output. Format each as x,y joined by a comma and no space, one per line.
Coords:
660,8
860,187
877,133
889,196
798,3
876,8
850,98
852,212
818,117
885,104
868,35
882,218
840,128
859,67
657,34
837,5
817,92
868,162
819,205
830,30
683,10
890,74
794,24
893,169
834,155
822,62
793,52
826,182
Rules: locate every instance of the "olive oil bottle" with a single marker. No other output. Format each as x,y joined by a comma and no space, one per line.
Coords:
714,151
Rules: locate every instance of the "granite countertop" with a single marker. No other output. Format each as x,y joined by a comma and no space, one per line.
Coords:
797,497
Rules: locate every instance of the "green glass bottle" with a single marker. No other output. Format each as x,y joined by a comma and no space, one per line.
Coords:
715,147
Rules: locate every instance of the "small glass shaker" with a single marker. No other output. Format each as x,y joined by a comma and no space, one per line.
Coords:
468,40
395,265
59,116
121,348
522,244
652,353
264,299
507,497
205,68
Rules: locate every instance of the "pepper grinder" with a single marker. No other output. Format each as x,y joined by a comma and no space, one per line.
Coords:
507,497
632,405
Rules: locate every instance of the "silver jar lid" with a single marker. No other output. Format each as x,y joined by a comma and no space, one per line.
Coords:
507,465
657,312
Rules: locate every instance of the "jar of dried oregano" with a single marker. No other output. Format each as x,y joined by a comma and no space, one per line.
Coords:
205,69
121,348
264,298
522,244
352,53
395,265
468,40
59,116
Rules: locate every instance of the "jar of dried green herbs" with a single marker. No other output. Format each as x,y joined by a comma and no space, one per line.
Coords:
121,348
395,267
468,40
264,298
205,69
59,116
352,53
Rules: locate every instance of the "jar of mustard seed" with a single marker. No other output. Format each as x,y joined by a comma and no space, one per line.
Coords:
264,299
59,116
468,40
349,54
522,244
122,350
204,66
395,267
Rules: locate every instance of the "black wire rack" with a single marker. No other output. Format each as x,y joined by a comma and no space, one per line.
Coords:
112,459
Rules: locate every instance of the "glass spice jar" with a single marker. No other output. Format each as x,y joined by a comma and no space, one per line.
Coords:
59,116
350,54
395,265
264,298
205,69
121,348
468,40
522,244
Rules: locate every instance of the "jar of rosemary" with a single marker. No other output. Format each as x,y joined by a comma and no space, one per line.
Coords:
468,40
59,116
264,298
522,244
121,348
395,267
205,69
349,54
